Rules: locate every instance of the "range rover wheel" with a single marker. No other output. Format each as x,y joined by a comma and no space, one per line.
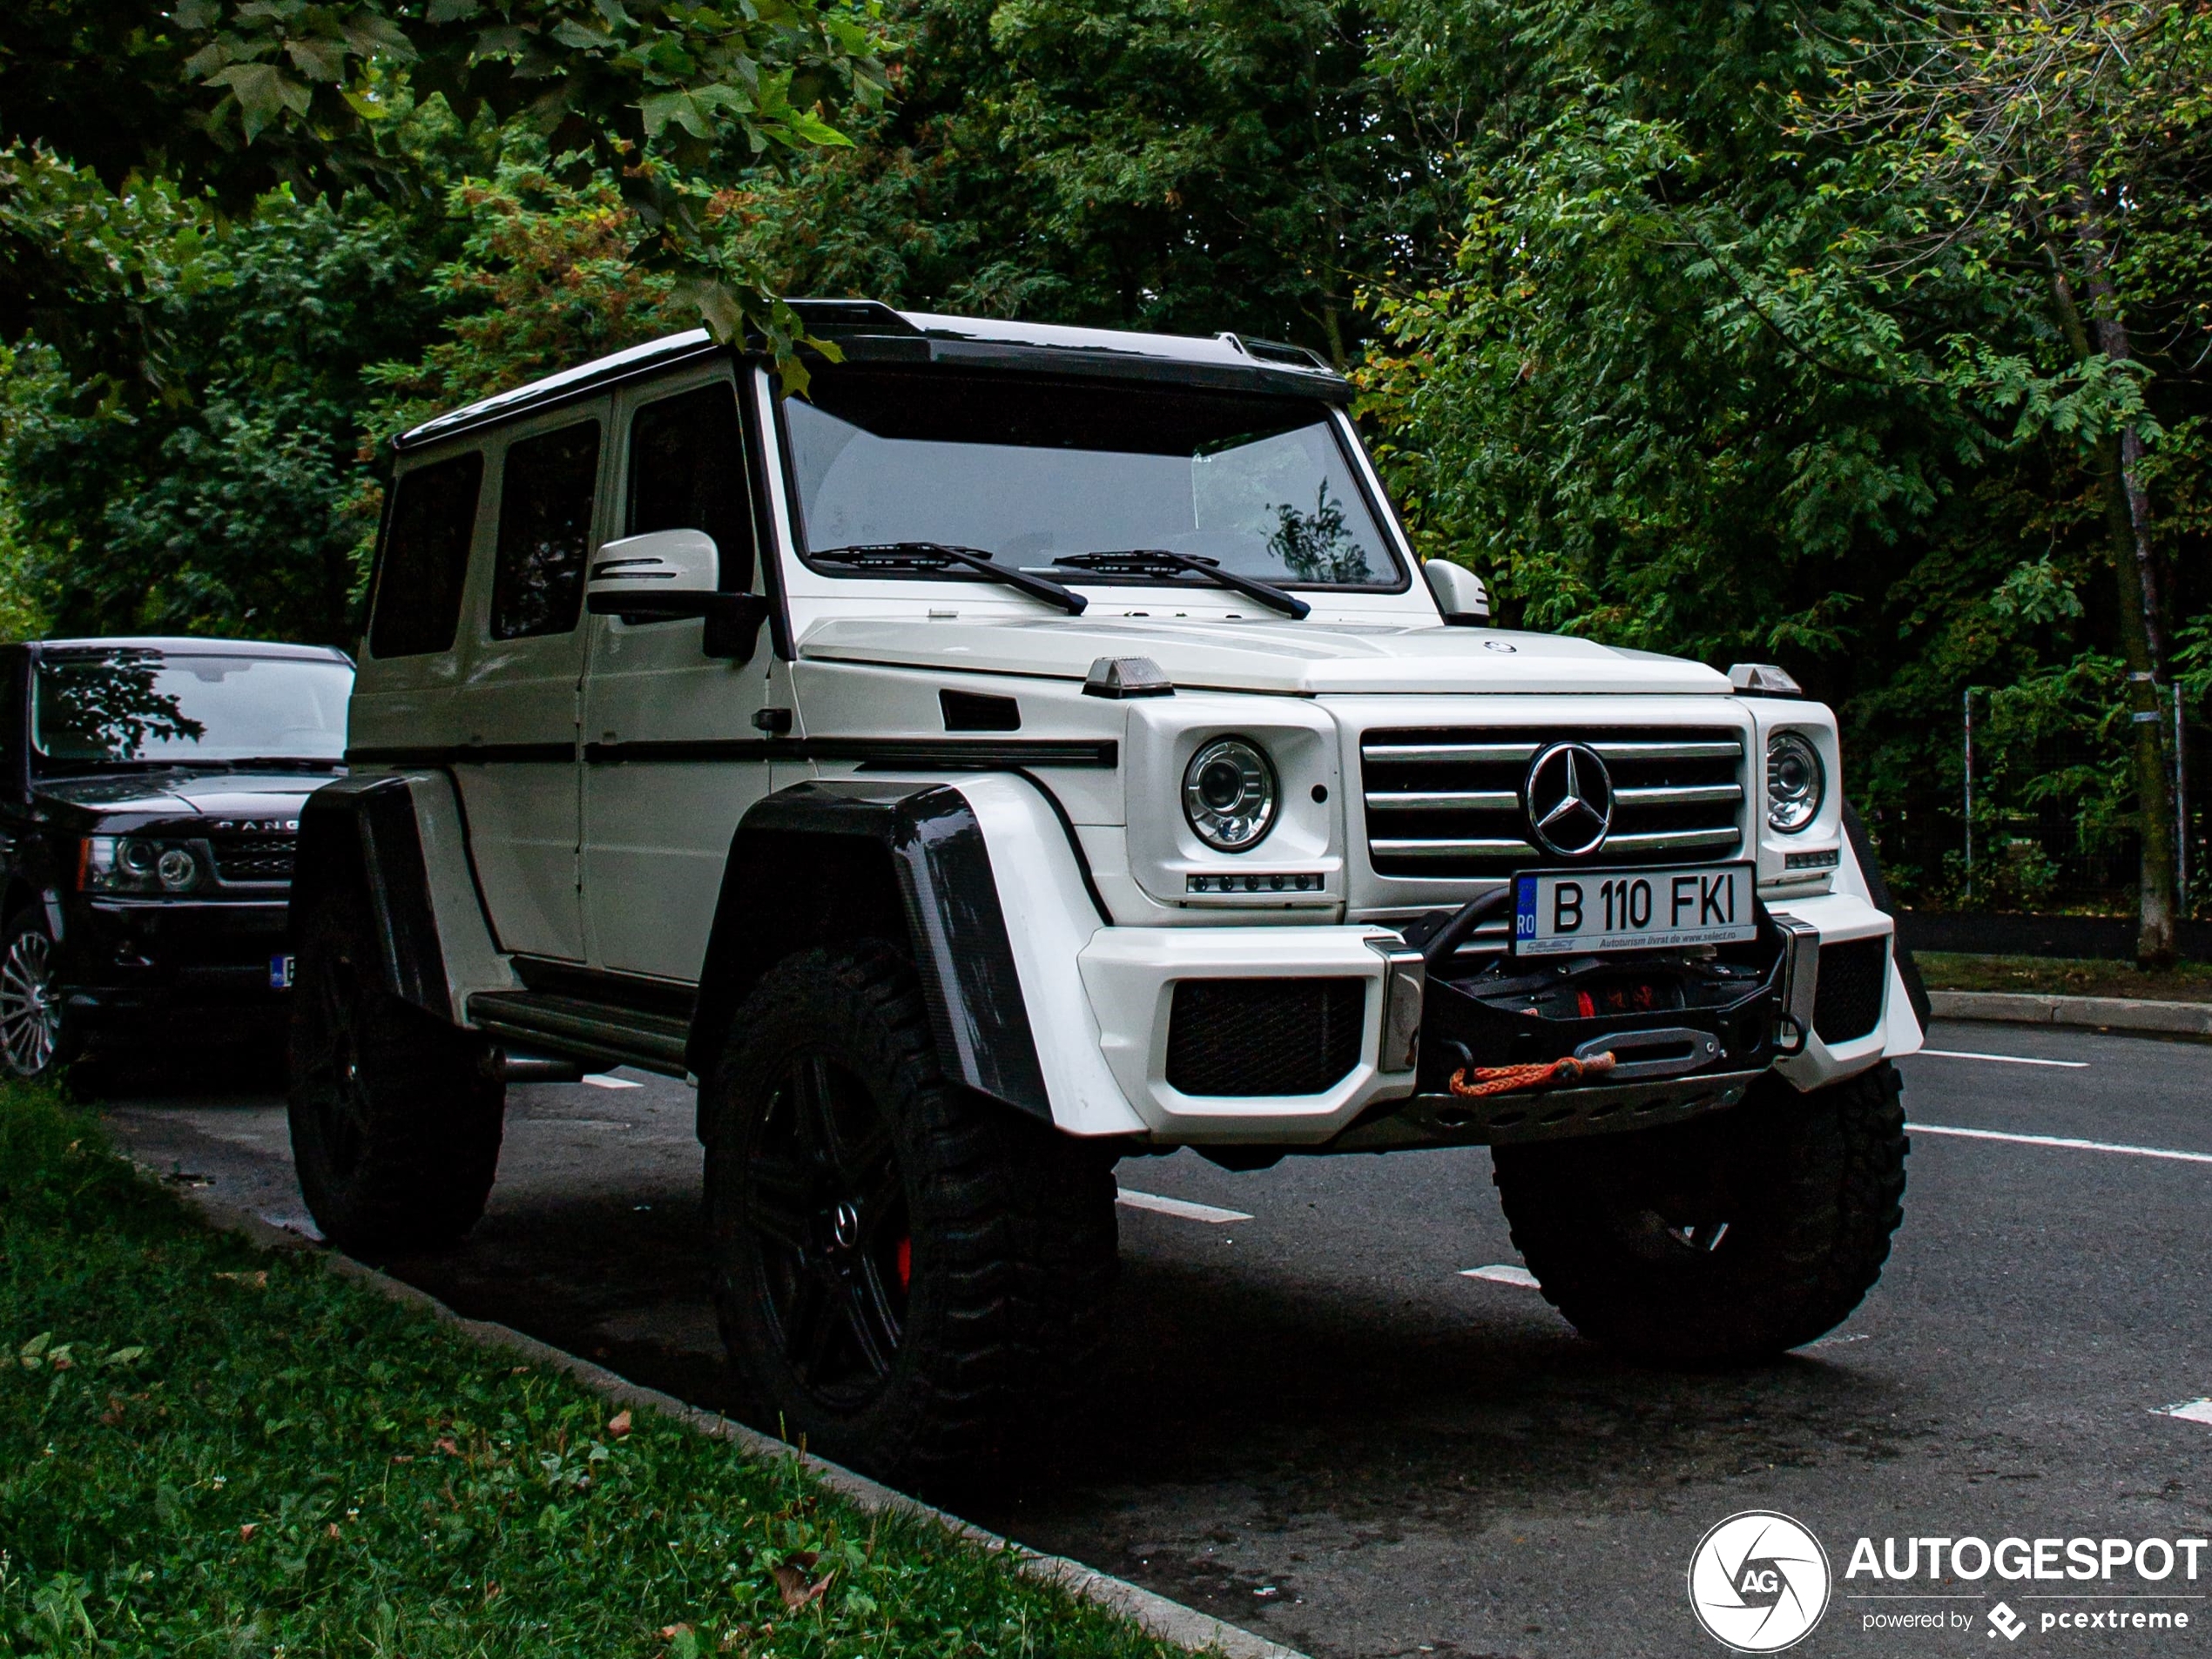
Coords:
909,1278
395,1129
1729,1238
31,998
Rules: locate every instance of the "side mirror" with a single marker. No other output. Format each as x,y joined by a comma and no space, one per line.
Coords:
671,576
1460,593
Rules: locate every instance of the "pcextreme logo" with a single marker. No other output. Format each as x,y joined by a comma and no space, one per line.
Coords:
1758,1582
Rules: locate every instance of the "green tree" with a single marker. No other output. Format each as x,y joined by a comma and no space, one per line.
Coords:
2030,140
1717,371
1193,167
234,502
238,96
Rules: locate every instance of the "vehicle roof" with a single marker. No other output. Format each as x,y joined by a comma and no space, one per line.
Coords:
866,331
185,645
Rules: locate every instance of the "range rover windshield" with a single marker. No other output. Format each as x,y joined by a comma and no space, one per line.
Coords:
1030,470
139,707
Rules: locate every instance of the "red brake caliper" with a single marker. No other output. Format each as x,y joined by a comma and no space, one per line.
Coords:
906,1263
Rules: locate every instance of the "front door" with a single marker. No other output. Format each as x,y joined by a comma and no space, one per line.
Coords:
658,820
518,765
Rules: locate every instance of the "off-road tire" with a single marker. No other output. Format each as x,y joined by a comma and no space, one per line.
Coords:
1621,1232
395,1123
1011,1229
35,1038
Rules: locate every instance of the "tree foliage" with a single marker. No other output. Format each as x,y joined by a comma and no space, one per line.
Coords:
238,98
1742,352
1190,167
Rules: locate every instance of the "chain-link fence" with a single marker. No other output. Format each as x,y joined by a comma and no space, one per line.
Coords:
2051,830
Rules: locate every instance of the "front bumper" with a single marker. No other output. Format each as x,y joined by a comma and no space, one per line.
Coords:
1721,1017
175,969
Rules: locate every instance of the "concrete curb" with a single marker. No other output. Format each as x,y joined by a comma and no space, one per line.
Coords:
2106,1013
1170,1621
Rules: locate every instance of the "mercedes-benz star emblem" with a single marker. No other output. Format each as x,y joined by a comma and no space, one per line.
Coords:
1568,797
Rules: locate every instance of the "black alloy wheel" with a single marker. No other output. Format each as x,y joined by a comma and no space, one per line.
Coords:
395,1123
823,1197
30,999
910,1277
325,1056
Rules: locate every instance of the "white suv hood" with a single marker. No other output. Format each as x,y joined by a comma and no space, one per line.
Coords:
1297,657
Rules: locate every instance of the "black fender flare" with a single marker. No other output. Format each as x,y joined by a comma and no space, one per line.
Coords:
1861,847
360,832
787,885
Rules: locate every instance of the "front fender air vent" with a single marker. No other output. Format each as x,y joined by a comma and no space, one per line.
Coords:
1265,1037
1847,998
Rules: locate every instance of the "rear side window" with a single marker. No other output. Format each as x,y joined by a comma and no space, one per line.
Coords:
426,558
687,472
544,525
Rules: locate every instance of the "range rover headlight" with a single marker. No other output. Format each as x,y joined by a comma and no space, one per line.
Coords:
1228,794
1796,782
136,864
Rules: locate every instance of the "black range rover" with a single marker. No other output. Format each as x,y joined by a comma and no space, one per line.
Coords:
149,796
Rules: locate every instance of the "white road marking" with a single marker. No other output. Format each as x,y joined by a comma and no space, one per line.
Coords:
2065,1140
2004,1059
608,1080
1182,1207
1502,1273
2189,1411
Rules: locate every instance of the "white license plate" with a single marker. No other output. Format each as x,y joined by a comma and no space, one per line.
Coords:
1559,911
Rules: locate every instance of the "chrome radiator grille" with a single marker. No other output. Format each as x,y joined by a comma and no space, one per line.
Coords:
250,859
1446,801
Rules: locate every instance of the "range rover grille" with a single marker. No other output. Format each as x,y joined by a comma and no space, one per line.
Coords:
1445,801
253,858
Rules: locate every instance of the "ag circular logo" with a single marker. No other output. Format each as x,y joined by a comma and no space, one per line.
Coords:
1758,1582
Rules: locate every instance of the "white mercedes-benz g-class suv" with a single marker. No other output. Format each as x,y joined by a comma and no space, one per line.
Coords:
1033,747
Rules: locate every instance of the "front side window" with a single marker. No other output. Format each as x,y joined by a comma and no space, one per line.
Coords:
132,705
687,472
425,557
1030,470
545,499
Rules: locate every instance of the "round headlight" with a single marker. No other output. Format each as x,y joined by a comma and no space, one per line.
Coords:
1795,783
176,869
137,857
1228,794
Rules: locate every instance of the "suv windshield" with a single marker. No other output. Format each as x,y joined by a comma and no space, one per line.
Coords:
1030,470
110,707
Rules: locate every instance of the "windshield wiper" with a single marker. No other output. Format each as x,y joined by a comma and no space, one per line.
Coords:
1160,560
938,556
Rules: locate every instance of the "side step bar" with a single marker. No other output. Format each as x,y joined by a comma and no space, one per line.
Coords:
588,1030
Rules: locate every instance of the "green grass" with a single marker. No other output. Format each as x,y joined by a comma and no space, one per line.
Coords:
2063,977
206,1449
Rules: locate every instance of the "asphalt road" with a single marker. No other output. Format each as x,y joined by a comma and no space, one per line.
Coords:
1315,1424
